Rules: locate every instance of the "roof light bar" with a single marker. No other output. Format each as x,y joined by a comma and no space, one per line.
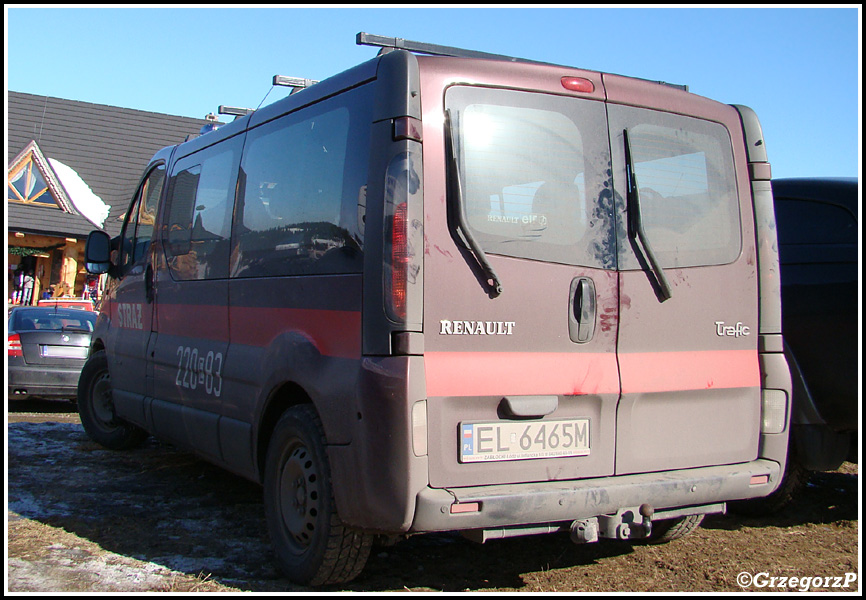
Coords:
293,82
234,110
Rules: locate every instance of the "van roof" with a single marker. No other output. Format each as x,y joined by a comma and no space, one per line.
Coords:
354,76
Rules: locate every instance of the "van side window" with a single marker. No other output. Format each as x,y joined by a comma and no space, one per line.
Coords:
138,231
688,193
201,198
297,208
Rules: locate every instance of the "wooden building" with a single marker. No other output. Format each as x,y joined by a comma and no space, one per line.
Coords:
72,168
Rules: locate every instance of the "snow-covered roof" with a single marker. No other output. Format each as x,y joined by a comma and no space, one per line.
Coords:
88,204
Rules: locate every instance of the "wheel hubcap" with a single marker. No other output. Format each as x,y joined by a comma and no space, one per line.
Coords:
103,407
299,495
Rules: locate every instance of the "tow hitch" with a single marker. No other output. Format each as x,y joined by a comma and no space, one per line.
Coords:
623,525
633,523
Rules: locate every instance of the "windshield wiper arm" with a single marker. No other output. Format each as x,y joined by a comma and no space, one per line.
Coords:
461,224
635,223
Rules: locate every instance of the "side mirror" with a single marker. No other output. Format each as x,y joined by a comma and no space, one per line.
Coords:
97,253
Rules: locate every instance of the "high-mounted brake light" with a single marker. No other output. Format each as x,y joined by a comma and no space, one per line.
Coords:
13,345
578,84
399,259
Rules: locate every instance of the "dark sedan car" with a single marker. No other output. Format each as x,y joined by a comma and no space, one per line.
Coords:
47,347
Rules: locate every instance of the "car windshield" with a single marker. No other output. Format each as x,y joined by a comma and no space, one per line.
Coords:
37,319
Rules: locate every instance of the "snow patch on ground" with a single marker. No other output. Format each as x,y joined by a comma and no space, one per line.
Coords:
130,521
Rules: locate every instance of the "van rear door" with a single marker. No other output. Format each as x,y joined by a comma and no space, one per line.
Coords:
687,340
522,386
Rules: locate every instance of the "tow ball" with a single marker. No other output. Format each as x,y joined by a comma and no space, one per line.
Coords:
625,524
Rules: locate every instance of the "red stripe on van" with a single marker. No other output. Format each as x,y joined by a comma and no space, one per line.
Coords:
675,371
335,333
520,373
495,373
205,321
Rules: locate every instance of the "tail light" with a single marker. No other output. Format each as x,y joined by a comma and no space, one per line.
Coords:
13,345
399,259
403,241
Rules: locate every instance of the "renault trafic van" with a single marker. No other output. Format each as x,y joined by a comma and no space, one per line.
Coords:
452,291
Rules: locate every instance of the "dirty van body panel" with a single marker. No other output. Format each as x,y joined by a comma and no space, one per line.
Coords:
300,330
191,328
689,363
495,366
130,308
297,256
261,292
383,470
688,366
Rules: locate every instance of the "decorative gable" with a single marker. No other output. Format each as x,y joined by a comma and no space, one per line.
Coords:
36,181
31,180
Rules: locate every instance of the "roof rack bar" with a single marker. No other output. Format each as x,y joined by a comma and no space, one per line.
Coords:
366,39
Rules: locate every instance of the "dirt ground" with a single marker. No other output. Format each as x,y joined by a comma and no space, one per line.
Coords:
85,519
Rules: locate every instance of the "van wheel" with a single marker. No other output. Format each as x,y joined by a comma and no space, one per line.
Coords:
312,545
96,408
672,529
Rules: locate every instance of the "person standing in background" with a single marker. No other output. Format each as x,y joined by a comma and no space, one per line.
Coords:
17,276
27,288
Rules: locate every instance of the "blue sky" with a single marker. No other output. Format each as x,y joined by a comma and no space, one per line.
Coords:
797,67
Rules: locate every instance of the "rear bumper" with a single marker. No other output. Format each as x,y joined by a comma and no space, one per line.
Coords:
42,382
561,501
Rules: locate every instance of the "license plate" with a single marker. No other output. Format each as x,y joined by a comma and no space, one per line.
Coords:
523,440
64,351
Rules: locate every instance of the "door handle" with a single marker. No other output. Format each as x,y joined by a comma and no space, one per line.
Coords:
581,310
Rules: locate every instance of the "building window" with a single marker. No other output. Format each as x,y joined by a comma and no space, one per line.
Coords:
26,184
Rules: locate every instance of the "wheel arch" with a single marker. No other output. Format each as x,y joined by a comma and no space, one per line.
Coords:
281,398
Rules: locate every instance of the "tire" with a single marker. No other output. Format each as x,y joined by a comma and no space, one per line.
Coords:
96,408
313,547
673,529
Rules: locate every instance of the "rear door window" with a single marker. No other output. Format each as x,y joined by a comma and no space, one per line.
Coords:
535,174
688,195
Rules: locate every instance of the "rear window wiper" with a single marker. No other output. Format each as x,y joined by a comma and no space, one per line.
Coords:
635,223
492,279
